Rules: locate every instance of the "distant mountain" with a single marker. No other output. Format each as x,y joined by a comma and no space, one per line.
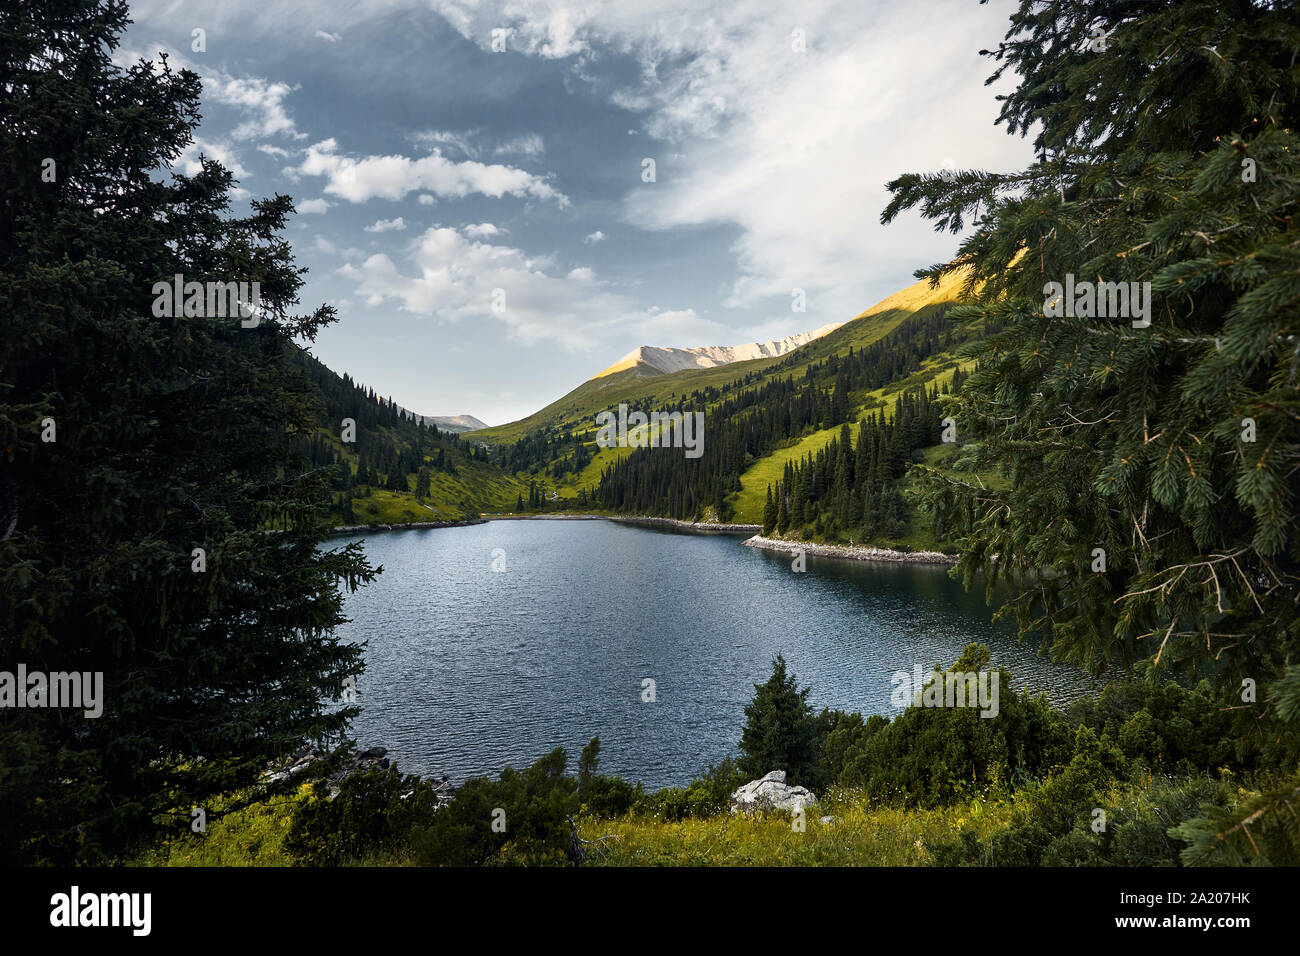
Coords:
637,377
447,423
654,360
454,423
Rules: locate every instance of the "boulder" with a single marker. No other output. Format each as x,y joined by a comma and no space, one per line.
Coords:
771,793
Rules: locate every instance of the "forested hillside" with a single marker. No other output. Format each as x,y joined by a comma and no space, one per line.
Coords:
395,469
793,426
747,421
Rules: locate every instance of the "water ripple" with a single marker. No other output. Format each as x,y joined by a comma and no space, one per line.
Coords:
470,670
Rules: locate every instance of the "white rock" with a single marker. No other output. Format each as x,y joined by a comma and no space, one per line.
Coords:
771,793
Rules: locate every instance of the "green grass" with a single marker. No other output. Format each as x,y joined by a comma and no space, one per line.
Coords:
477,487
253,836
859,836
569,485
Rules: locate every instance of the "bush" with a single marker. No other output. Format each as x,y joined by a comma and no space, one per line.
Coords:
375,813
933,756
705,796
522,818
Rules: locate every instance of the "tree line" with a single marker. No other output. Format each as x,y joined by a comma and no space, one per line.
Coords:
747,424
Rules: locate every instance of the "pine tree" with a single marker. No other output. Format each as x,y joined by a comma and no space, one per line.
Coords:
1171,447
769,513
172,434
1148,511
780,731
588,764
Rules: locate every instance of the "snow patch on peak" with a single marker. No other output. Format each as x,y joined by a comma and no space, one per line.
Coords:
666,360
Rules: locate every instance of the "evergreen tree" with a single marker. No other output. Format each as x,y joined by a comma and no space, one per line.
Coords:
170,434
780,731
1150,468
588,764
1173,447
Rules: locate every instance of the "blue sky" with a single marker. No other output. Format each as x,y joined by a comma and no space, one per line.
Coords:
471,176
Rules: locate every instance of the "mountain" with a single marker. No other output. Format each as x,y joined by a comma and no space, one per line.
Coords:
394,467
831,427
773,420
653,360
454,423
636,382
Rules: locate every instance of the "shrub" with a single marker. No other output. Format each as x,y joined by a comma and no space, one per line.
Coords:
375,813
522,818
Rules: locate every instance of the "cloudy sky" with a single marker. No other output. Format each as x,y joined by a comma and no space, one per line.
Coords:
472,176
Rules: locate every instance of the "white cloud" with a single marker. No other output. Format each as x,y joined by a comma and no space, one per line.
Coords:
471,143
482,230
456,277
387,225
328,37
313,207
224,153
275,151
426,199
594,238
530,145
461,142
392,177
792,148
261,98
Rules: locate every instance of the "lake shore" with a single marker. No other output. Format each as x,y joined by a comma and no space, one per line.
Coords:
695,527
407,526
641,521
849,552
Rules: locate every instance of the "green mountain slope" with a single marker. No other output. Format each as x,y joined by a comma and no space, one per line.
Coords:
768,422
764,417
395,469
640,384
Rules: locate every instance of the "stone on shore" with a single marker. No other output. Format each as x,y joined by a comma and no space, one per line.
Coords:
771,793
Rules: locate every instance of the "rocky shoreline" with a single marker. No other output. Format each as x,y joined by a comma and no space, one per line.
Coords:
696,527
407,526
374,758
642,521
850,552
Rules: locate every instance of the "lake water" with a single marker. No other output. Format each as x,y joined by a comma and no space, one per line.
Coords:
470,669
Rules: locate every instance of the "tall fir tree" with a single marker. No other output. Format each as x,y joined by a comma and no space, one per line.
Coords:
780,731
1149,509
134,542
